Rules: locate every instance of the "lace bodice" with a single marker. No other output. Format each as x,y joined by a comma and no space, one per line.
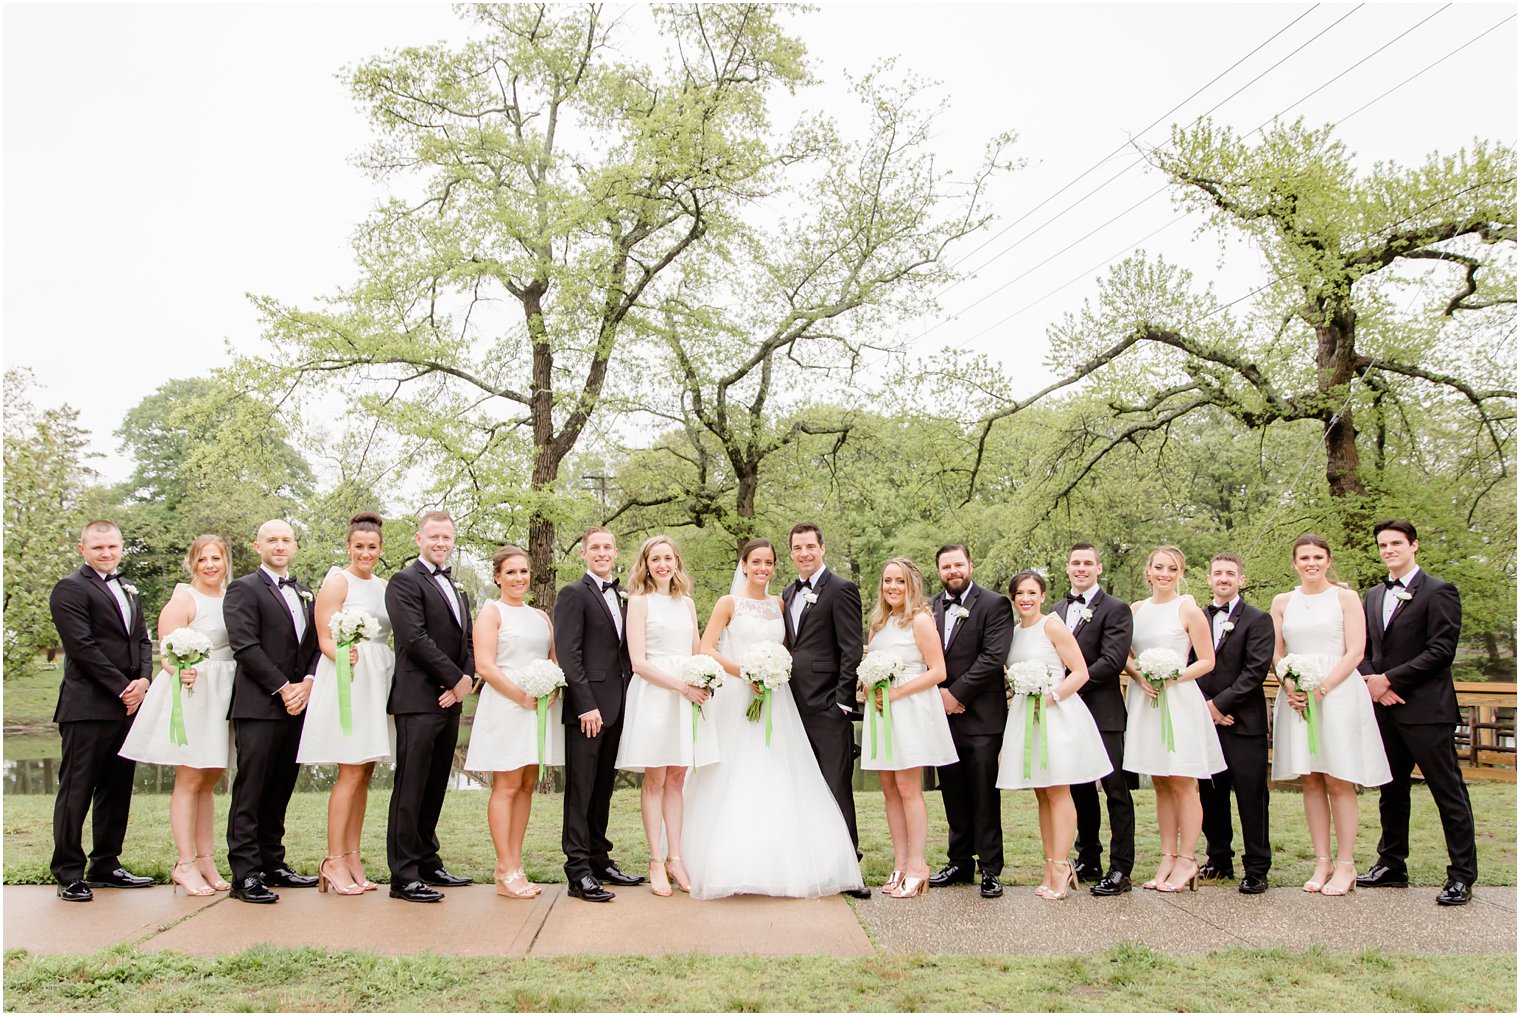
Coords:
1033,644
1314,624
898,639
753,621
1159,625
208,621
367,595
521,638
668,627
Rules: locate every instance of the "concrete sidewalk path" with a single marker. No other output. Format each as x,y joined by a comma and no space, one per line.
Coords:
474,921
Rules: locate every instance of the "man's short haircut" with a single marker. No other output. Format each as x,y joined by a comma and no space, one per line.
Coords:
948,548
1097,555
805,527
98,526
435,516
1232,557
1397,525
594,530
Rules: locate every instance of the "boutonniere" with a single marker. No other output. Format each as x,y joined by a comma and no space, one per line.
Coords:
131,590
305,594
1403,595
458,586
1227,627
623,594
958,611
1087,614
809,597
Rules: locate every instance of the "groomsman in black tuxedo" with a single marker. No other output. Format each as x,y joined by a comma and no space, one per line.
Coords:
435,670
106,672
824,625
1243,642
591,645
976,627
270,628
1413,622
1103,626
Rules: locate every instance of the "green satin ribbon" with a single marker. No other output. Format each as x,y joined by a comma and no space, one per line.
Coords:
766,699
345,688
542,704
886,716
1167,734
1034,719
1312,715
177,710
696,711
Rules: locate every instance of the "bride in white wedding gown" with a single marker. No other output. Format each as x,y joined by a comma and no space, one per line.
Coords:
762,819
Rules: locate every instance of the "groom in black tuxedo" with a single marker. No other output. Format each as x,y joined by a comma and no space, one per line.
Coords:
270,628
591,646
106,672
1103,626
1244,639
435,670
1413,622
976,628
824,626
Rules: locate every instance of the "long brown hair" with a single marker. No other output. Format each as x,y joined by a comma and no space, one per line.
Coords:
641,583
914,600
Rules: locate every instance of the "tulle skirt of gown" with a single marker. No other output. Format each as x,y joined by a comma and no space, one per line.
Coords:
374,733
207,728
762,820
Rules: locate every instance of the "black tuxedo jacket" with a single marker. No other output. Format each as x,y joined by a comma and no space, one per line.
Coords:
826,644
1104,642
1242,660
263,640
976,658
590,651
101,654
1417,648
433,650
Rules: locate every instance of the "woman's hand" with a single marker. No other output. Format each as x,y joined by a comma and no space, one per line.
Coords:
187,677
694,694
353,655
525,700
1151,691
758,691
1297,699
895,693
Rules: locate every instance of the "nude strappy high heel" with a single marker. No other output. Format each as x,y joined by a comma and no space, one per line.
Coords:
911,885
893,881
1190,883
1314,885
1068,881
1350,887
657,867
175,884
326,881
365,884
221,885
1155,883
684,886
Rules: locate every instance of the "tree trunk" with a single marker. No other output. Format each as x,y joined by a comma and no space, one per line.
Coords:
749,484
1335,357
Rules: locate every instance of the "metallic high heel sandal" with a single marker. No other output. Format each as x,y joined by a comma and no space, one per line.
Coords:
1350,887
1068,882
685,886
1313,885
365,884
324,880
175,885
657,867
1155,883
221,885
893,881
911,885
503,889
1190,883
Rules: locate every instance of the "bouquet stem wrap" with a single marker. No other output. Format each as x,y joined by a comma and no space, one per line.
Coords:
1034,719
1167,734
542,706
1311,714
177,733
886,717
345,688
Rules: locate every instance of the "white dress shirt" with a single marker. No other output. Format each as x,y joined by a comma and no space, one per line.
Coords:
122,604
1223,616
1391,602
950,621
449,593
1074,612
798,603
610,597
292,602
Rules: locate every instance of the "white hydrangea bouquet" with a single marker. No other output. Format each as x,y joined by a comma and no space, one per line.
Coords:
1035,680
349,627
701,671
1158,666
182,649
1307,672
540,680
766,666
877,672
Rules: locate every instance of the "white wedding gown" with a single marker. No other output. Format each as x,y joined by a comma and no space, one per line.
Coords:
762,820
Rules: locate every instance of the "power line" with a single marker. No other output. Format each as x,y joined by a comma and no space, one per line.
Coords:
1427,67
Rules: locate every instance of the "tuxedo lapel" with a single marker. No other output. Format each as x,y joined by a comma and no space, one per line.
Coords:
938,605
104,594
1092,607
1373,608
457,611
596,594
955,632
279,599
1398,608
818,586
1230,621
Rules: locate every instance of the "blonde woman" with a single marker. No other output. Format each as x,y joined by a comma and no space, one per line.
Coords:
1169,620
203,703
657,727
903,625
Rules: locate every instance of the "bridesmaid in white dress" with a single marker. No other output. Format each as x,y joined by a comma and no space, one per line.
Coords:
203,705
903,624
1173,621
1323,618
657,730
373,739
509,635
1073,744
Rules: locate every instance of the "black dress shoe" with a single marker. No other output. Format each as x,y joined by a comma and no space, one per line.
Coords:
253,890
1212,872
612,873
1112,884
1456,894
991,887
416,892
950,874
75,892
857,894
589,889
440,877
288,879
1380,876
1088,872
1253,885
118,878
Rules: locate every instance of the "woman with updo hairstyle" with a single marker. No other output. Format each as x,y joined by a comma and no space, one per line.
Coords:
371,736
204,698
508,636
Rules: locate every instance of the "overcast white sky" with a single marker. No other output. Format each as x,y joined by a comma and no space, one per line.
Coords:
162,161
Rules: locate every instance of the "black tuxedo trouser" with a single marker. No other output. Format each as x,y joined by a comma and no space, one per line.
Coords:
424,759
266,777
1429,746
973,803
1121,813
831,735
91,771
590,772
1245,757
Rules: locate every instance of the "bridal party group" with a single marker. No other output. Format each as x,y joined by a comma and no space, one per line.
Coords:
745,728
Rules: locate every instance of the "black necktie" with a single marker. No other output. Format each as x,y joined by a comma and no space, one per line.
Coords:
609,585
285,582
1393,583
1215,608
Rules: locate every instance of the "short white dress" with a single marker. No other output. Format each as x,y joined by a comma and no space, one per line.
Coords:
657,722
920,729
1072,744
504,735
204,709
374,732
1197,753
1351,748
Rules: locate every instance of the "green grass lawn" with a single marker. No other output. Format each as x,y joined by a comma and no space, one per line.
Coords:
1125,978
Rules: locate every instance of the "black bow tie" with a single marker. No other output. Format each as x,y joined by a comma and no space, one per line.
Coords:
1393,583
1214,608
609,585
952,601
804,586
445,572
1076,598
113,577
282,583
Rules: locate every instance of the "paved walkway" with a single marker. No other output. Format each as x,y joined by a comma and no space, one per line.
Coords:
475,922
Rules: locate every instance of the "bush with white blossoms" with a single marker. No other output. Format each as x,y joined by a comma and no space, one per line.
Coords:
1031,677
350,626
539,678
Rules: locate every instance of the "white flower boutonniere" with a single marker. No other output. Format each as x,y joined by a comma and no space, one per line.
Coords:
958,611
131,590
458,586
1087,614
305,594
622,594
809,597
1228,626
1403,595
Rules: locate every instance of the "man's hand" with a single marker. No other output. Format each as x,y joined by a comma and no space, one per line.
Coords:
457,694
1220,719
953,705
132,694
591,723
296,695
1378,685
